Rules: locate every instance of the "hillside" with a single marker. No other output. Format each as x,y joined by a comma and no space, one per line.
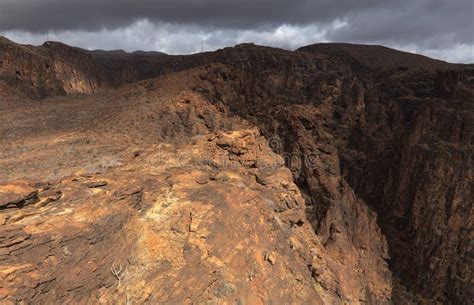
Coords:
334,174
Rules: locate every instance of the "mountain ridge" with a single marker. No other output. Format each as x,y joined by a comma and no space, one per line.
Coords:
350,177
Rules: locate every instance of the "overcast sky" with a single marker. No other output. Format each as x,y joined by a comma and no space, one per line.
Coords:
441,29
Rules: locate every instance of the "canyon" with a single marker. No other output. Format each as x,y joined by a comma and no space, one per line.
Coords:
332,174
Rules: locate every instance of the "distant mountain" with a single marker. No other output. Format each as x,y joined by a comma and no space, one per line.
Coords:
123,53
374,56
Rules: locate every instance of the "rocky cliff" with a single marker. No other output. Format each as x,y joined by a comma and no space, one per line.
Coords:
334,174
48,70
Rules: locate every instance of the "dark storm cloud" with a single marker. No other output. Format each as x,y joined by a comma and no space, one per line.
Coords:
432,27
38,15
429,23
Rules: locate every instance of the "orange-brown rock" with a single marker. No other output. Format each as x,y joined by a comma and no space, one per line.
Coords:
335,174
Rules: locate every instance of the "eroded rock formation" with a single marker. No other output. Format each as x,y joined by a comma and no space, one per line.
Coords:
48,70
335,174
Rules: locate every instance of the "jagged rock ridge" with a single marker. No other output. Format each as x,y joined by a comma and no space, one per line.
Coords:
378,142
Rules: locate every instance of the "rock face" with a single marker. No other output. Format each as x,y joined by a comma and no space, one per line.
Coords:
409,156
49,70
335,174
393,134
173,226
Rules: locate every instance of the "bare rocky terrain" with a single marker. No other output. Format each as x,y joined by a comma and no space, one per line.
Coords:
333,174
